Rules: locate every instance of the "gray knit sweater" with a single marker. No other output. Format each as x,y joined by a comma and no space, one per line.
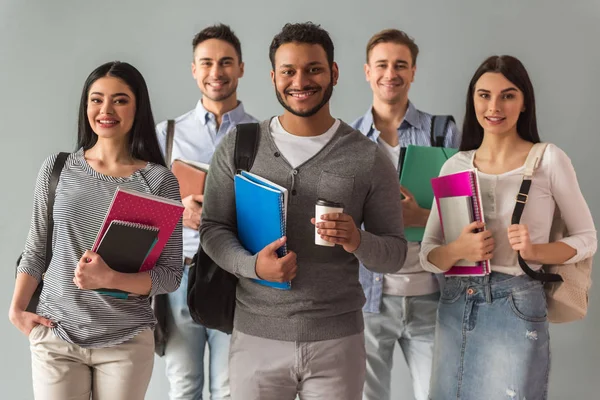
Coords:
326,297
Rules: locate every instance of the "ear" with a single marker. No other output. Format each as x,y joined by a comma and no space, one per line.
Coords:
413,71
241,70
335,73
194,69
367,70
273,78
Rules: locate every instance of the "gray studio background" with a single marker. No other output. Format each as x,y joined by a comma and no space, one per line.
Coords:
47,49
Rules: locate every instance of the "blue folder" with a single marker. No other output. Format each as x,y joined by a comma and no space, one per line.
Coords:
261,209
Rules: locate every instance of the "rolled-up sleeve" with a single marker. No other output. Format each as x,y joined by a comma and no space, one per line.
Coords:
33,258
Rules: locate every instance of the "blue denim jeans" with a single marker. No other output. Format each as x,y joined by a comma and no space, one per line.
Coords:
184,352
491,340
410,322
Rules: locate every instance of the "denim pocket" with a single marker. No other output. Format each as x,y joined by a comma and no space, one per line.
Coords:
529,304
452,290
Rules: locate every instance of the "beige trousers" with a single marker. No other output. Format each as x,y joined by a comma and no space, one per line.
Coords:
265,369
66,371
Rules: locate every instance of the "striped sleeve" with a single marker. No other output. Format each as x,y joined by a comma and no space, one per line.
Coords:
33,261
166,274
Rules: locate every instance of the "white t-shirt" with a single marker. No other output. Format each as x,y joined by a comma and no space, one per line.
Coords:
299,149
393,152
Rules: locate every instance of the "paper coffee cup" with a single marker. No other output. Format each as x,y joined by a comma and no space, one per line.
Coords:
325,207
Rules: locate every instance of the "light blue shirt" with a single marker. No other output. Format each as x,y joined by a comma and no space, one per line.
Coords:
196,138
415,129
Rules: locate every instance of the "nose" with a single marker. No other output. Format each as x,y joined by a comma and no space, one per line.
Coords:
215,71
389,72
107,108
494,105
300,79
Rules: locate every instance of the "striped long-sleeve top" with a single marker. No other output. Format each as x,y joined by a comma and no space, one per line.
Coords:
83,196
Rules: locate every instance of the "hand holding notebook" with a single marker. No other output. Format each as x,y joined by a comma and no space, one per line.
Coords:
133,210
261,213
270,267
458,202
191,176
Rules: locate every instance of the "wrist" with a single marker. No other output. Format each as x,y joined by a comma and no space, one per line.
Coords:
355,243
424,216
453,250
532,254
112,279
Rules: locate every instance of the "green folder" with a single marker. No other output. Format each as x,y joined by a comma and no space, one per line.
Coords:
419,165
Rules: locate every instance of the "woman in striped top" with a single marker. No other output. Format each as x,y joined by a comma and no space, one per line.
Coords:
79,336
492,338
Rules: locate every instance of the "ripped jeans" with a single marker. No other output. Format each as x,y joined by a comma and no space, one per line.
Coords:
491,340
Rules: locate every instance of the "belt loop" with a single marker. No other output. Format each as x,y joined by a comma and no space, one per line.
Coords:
488,289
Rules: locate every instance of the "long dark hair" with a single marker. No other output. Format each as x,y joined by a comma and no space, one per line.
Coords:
514,71
143,144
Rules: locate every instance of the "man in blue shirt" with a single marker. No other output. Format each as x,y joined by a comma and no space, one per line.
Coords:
216,67
401,307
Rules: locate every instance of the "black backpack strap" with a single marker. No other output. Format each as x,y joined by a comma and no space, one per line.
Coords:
439,127
169,143
246,145
522,197
52,184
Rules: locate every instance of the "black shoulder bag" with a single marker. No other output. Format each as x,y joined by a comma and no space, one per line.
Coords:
57,168
211,290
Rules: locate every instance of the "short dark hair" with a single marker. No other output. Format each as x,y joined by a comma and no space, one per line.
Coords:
143,144
514,71
306,32
221,32
394,36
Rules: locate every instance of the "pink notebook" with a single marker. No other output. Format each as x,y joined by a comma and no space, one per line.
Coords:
146,209
463,183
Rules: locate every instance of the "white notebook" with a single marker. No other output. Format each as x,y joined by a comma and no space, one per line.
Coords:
457,212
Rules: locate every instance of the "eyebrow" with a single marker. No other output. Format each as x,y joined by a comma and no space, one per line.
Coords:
510,89
310,64
396,62
227,58
114,95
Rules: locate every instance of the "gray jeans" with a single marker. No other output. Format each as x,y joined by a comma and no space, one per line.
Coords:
265,369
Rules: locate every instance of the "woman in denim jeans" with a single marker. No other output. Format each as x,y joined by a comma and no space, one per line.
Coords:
492,337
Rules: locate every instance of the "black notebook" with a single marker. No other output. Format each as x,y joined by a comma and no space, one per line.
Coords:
124,247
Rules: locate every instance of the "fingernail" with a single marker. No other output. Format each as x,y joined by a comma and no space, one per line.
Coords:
52,324
88,260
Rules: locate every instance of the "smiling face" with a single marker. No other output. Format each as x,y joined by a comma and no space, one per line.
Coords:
111,108
498,104
216,69
390,72
302,78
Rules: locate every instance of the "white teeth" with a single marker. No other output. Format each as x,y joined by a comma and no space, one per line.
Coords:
107,122
302,95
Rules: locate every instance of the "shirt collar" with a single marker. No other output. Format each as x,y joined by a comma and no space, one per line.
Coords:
411,118
236,115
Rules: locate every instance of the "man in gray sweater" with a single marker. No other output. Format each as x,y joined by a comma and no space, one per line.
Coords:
307,340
